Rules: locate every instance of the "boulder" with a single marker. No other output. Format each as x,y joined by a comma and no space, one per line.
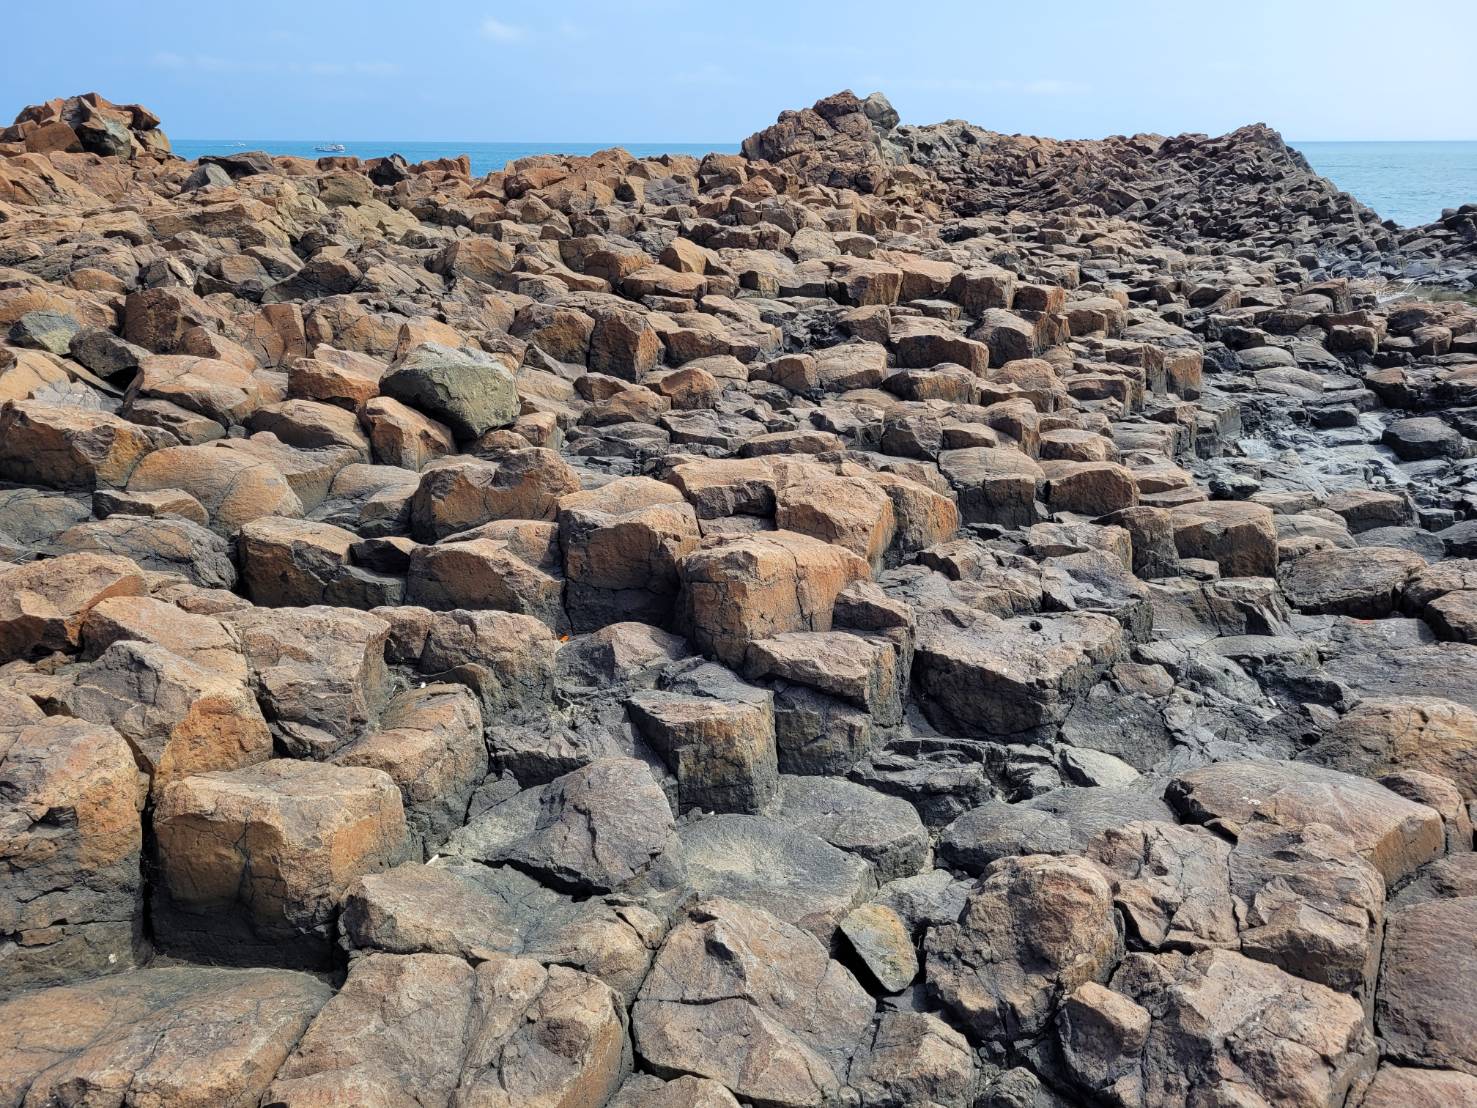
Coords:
71,840
253,863
1424,1013
177,717
761,585
1239,537
884,830
593,830
988,676
739,997
1380,736
471,392
458,494
1038,928
234,488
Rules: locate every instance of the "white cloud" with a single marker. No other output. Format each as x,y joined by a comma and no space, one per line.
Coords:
498,31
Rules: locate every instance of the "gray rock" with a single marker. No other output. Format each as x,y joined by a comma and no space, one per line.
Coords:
594,830
884,830
468,390
794,875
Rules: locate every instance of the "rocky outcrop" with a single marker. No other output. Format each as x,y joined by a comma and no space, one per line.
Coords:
901,617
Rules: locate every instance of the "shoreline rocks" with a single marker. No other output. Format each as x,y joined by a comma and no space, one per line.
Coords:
903,616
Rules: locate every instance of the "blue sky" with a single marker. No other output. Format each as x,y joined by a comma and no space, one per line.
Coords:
660,70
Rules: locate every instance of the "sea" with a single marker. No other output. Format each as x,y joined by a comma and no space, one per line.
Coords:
1409,182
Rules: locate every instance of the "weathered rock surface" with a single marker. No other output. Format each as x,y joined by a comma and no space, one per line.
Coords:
901,616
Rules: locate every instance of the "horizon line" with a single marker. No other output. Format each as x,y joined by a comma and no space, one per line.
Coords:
696,142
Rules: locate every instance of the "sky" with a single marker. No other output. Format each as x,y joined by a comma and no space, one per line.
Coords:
668,71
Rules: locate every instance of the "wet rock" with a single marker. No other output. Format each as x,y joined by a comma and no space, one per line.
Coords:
1424,437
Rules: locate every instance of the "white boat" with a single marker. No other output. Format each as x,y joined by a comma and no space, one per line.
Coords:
330,148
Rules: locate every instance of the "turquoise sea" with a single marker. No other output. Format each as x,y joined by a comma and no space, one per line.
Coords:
1409,182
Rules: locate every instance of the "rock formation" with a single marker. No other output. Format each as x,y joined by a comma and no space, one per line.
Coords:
904,616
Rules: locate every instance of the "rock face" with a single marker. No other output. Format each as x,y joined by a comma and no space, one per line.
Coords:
255,861
901,617
186,1035
740,998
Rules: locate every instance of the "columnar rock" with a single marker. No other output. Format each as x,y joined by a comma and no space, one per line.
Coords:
254,862
830,602
593,830
622,544
752,588
71,839
1038,928
1169,1024
740,998
467,909
193,1036
45,603
431,1028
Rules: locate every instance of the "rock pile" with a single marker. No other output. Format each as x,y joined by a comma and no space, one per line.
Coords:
891,619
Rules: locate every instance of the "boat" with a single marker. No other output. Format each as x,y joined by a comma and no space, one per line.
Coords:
330,148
